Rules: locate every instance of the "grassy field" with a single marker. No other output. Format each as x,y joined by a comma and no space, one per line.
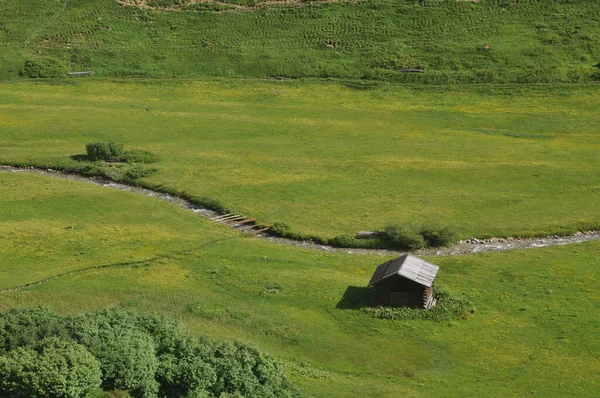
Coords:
492,41
299,113
328,159
534,331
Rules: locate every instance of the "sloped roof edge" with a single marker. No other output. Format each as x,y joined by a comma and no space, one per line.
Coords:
407,266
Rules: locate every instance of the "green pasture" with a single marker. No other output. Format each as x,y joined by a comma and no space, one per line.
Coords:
533,333
492,41
328,159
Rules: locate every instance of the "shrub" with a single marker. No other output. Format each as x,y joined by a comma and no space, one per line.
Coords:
107,151
404,236
280,229
436,236
114,152
283,230
349,241
343,241
135,171
413,237
55,368
41,68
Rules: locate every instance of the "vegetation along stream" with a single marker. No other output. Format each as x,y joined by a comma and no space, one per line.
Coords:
467,246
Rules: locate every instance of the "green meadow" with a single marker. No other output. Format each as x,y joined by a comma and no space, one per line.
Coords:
329,159
533,331
303,113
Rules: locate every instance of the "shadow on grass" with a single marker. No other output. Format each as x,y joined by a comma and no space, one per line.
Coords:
355,297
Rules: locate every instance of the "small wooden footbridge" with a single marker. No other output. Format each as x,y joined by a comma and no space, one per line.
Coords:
241,223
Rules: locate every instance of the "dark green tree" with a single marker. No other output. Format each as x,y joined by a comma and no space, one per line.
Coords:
186,371
243,370
127,357
54,368
25,327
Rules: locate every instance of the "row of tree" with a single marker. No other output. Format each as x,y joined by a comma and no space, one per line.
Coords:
45,355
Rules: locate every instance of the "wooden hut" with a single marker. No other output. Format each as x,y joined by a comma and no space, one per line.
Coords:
405,281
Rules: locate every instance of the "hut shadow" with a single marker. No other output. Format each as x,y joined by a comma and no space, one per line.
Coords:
80,157
355,297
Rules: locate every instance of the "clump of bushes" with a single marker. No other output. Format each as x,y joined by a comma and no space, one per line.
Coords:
281,229
112,161
135,171
344,241
403,236
43,354
413,237
42,68
349,241
394,236
114,152
447,308
284,231
107,151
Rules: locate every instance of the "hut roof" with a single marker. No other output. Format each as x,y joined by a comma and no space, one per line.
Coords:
409,267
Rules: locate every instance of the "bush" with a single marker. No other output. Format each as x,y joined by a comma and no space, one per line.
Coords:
283,230
114,152
413,237
280,229
405,236
41,68
55,368
349,241
436,236
107,151
343,241
134,172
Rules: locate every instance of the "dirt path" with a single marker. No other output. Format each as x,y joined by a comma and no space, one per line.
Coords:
464,247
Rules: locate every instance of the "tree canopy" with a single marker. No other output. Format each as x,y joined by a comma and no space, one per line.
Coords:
43,354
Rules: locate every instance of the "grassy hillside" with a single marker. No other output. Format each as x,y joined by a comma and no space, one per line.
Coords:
534,331
328,159
454,41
